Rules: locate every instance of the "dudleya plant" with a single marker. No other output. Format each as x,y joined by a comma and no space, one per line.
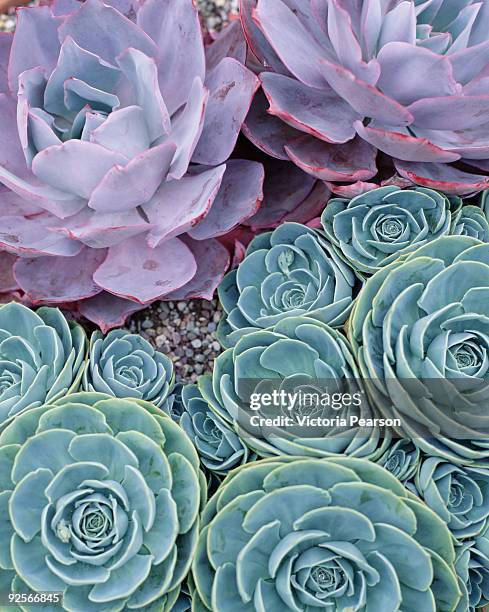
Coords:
373,229
330,534
219,448
343,80
459,495
100,500
42,357
289,272
116,138
303,357
126,365
420,332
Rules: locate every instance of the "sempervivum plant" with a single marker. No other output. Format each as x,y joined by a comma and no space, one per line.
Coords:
420,331
219,447
471,221
300,356
330,534
116,138
100,500
401,460
343,80
374,228
291,271
126,365
459,495
42,357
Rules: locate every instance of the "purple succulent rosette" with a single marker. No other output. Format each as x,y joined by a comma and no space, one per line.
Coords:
116,134
344,79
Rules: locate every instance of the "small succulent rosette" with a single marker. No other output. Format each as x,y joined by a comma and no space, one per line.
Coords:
401,460
374,228
291,271
305,359
126,365
100,500
420,332
220,449
342,81
459,495
471,221
472,565
42,357
337,533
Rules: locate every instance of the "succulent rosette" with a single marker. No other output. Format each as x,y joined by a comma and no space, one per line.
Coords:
302,356
342,80
459,495
289,272
373,229
219,448
116,139
332,534
420,331
472,565
401,460
42,357
471,221
100,499
126,365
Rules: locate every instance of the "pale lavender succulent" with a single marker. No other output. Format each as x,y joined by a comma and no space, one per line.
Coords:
116,134
344,79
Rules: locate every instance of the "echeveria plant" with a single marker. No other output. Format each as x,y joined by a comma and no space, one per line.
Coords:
459,495
116,139
298,355
471,221
330,534
374,228
42,357
472,565
401,460
126,365
100,500
420,331
291,271
343,80
220,449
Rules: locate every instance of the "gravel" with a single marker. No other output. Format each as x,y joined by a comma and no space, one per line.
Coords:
185,331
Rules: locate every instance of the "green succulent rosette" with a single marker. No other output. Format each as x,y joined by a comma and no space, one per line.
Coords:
220,449
471,221
99,501
321,534
420,332
289,272
371,230
401,460
126,365
296,355
472,565
42,357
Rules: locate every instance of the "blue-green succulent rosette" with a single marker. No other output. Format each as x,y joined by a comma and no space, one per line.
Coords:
99,499
471,221
472,565
374,228
459,495
220,449
297,355
126,365
321,534
289,272
401,459
42,357
420,332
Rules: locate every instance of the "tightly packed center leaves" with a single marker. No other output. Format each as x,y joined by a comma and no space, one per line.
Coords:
99,499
